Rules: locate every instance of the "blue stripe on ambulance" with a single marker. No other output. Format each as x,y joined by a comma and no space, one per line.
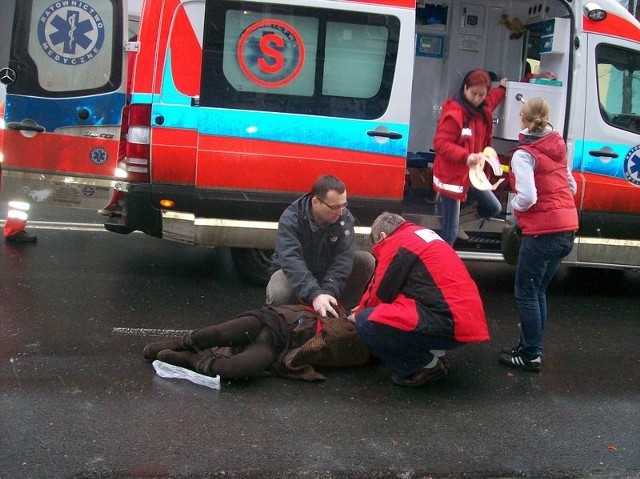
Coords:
281,127
53,113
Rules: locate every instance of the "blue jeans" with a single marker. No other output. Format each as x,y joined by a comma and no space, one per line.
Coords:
539,260
488,207
403,352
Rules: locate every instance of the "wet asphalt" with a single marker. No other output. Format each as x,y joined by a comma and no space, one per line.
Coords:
78,400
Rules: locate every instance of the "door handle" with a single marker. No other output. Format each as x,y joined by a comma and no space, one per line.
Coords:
606,154
392,135
14,125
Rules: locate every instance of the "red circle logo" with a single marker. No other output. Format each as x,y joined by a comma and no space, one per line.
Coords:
270,53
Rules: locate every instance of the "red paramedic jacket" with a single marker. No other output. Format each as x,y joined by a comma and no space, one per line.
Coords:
458,135
420,284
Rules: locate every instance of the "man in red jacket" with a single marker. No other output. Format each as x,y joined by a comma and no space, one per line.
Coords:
420,302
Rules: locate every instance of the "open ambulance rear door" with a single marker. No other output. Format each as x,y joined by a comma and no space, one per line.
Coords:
66,87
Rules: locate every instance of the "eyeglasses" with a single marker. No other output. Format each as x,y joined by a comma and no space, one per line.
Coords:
332,207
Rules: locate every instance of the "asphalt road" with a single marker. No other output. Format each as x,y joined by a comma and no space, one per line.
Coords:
77,400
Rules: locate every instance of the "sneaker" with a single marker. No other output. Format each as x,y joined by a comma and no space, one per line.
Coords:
518,359
423,376
462,236
514,350
21,237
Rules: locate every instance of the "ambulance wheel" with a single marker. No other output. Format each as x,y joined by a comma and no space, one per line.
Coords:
252,265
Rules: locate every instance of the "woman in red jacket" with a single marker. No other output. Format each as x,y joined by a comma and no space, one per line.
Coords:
464,130
420,302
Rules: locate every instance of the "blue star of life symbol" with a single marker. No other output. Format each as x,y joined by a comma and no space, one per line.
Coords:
632,166
71,32
99,156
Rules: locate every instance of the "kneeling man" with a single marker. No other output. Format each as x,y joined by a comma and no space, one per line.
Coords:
420,302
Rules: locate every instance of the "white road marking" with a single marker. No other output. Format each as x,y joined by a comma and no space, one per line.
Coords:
169,333
55,225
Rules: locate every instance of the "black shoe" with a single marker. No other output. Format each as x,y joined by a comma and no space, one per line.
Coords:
151,350
444,360
184,359
519,359
21,237
423,376
513,350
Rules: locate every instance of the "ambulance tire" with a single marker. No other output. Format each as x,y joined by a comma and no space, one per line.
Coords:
252,265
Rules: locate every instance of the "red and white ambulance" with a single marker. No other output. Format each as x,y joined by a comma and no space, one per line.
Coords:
236,107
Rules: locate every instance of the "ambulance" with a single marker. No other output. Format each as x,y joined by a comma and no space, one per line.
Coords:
236,107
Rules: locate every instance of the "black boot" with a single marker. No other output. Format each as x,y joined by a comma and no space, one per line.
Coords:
179,344
21,237
151,350
184,359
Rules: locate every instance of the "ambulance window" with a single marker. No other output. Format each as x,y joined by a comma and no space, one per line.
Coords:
297,59
354,51
66,48
619,86
270,62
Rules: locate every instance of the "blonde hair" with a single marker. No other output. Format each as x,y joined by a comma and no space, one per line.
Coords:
535,114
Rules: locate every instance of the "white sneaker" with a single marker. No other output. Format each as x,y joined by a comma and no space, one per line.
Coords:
463,236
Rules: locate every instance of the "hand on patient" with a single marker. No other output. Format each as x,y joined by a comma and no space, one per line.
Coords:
324,305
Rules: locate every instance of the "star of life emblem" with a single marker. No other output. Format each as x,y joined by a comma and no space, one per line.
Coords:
632,165
71,32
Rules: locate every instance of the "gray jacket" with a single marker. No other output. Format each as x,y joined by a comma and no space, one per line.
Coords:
315,260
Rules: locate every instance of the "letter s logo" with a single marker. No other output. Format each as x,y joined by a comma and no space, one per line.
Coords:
269,45
270,53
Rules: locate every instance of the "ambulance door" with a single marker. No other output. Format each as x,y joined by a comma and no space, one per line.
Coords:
174,110
610,154
65,83
289,93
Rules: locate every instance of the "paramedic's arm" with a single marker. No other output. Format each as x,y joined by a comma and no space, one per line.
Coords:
335,279
292,262
523,164
496,95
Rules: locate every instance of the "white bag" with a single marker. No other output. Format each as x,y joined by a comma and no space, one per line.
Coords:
166,370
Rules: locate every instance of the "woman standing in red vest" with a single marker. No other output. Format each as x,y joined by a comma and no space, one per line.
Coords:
546,213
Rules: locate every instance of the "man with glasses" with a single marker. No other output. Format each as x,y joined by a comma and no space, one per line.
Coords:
315,261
